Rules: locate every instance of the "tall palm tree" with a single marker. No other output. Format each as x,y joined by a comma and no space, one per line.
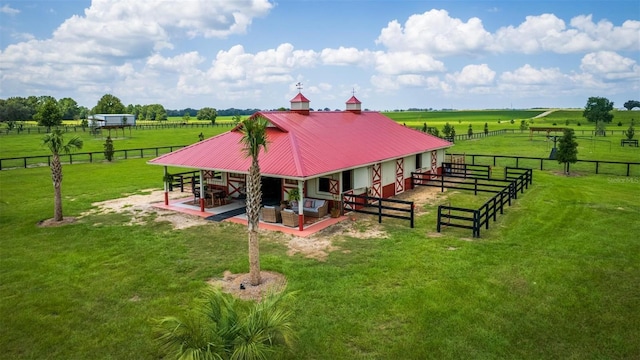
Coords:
254,138
55,142
222,327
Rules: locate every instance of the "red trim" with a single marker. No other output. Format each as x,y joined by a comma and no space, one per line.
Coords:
202,204
300,222
166,198
389,190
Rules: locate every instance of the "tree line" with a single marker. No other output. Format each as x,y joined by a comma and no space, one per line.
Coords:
49,111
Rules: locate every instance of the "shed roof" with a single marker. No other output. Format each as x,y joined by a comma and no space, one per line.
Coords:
307,146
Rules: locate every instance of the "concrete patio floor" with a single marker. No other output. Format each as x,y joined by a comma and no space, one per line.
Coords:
186,206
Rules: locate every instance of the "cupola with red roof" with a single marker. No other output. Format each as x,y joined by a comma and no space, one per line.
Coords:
300,103
354,105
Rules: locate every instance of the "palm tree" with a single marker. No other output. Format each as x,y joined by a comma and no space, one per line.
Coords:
254,138
222,327
55,142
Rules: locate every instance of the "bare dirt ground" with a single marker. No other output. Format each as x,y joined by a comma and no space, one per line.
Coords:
140,208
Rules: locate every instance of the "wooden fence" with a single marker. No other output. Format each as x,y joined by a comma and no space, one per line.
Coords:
392,208
516,181
624,166
85,157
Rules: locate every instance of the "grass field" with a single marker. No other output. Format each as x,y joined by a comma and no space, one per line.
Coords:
555,277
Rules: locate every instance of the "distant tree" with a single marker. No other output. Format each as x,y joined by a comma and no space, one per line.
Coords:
236,119
201,137
49,114
630,131
598,110
567,149
15,109
69,108
424,127
55,142
108,104
486,128
108,149
631,104
523,125
433,131
448,130
207,113
186,117
470,131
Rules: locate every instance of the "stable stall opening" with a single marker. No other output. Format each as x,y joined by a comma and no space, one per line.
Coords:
271,190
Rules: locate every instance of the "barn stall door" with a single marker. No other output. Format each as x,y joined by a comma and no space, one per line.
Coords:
376,180
399,176
434,164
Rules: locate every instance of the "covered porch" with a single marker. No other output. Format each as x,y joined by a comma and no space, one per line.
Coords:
234,212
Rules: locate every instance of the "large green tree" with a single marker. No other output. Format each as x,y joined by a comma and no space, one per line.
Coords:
222,327
567,149
55,142
254,130
69,108
108,104
49,114
631,104
598,110
207,113
16,109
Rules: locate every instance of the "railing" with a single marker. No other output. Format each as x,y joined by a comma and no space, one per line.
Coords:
45,160
542,161
350,203
516,180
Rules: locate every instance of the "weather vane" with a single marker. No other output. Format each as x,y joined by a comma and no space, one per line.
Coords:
299,86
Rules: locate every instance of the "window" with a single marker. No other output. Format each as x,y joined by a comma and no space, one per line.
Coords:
323,185
419,161
347,180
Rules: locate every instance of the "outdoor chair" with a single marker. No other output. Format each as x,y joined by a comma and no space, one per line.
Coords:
271,214
289,218
195,189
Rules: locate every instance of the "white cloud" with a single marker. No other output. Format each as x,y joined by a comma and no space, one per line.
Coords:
473,75
399,63
549,33
436,33
6,9
347,56
610,66
528,75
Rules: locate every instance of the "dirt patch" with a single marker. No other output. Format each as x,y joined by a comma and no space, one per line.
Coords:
53,223
421,196
140,206
239,286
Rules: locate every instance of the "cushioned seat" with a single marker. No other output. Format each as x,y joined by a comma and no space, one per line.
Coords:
289,218
313,207
271,214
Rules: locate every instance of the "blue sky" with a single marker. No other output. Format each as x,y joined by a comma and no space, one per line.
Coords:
394,54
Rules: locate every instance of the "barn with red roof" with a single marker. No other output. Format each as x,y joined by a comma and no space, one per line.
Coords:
322,153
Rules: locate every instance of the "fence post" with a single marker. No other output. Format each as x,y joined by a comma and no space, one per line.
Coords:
475,186
439,218
441,182
379,211
476,223
412,212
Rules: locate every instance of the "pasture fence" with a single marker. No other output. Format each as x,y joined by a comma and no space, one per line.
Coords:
84,157
516,181
34,129
613,168
391,208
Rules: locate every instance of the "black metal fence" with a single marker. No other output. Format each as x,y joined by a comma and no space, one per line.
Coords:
516,181
85,157
392,208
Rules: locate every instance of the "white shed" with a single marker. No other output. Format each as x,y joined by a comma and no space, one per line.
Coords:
111,120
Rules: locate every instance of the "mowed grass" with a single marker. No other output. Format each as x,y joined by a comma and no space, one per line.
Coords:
555,277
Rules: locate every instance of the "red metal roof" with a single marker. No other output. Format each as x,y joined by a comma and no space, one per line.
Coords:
306,146
353,100
299,98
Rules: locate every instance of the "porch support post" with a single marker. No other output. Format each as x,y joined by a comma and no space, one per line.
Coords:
300,205
166,187
202,192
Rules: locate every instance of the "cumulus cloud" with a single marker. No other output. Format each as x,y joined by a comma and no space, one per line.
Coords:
473,75
347,56
610,66
436,33
528,75
401,63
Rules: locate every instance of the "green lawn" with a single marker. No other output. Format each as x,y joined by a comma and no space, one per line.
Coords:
555,277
